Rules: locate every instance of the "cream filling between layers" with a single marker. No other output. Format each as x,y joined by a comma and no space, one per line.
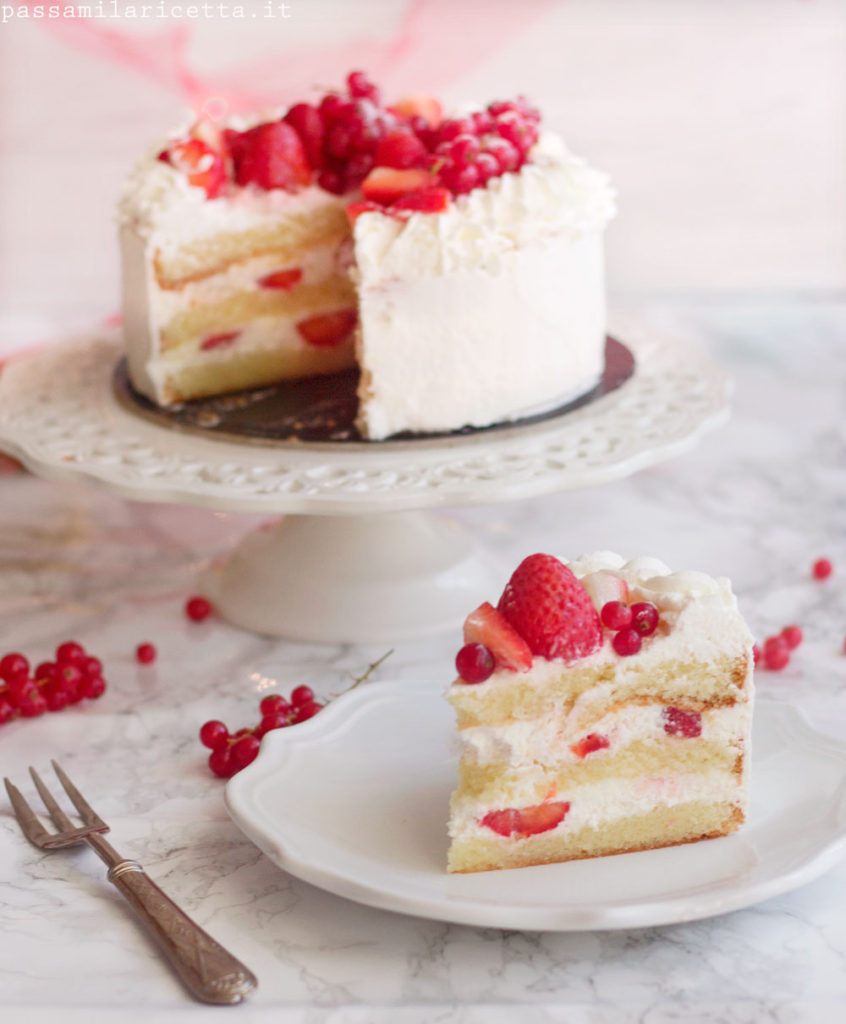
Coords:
610,799
547,740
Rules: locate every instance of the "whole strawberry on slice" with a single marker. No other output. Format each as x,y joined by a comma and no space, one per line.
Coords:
551,610
527,821
486,626
271,156
307,122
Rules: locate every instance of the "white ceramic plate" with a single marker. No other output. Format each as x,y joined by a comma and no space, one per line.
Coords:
355,801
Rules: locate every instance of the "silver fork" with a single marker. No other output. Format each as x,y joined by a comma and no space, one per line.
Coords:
207,969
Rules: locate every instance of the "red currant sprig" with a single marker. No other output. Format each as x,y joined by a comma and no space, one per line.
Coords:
629,624
52,685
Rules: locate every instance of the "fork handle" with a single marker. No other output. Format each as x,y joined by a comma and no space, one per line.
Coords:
207,969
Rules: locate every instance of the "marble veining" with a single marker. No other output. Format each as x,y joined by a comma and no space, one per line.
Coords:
758,501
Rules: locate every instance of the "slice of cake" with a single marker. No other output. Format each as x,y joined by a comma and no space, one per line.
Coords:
602,707
458,261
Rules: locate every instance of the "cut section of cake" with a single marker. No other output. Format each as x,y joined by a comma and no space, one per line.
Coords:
603,707
457,261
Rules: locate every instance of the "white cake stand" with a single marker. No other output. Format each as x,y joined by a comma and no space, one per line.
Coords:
357,557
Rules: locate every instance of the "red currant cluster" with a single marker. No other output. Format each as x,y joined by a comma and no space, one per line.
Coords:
629,623
468,151
230,752
52,685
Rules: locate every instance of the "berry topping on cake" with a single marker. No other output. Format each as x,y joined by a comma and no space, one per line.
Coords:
427,200
202,166
616,615
486,626
547,605
271,156
474,663
401,149
426,107
526,821
644,617
627,642
328,329
387,184
282,280
682,723
605,587
308,124
589,744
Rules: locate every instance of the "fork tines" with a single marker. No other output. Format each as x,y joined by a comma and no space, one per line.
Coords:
68,834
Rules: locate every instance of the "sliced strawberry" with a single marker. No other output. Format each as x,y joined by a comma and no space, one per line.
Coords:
355,210
200,164
427,200
272,157
308,124
551,610
682,723
400,149
326,330
604,587
527,821
282,280
588,744
486,626
420,106
386,184
216,340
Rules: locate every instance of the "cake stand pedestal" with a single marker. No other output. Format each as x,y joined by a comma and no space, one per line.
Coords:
358,557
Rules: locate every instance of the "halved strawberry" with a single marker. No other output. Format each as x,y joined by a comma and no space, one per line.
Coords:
355,210
282,280
486,626
420,106
427,200
588,744
605,586
272,157
386,184
551,610
199,163
326,330
527,821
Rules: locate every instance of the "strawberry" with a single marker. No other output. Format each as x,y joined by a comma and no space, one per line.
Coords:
527,821
551,610
486,626
420,106
308,124
588,744
282,280
427,200
355,210
604,587
272,157
326,330
400,149
201,165
216,340
385,184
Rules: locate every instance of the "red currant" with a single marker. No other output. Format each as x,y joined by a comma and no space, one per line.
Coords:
145,654
776,653
70,653
360,86
92,667
221,763
198,608
793,635
644,618
627,642
245,750
682,723
45,670
274,704
214,734
7,710
301,695
32,703
13,665
57,696
273,720
93,687
822,569
305,711
616,615
474,663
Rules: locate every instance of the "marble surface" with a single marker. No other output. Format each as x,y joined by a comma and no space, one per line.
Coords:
758,500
